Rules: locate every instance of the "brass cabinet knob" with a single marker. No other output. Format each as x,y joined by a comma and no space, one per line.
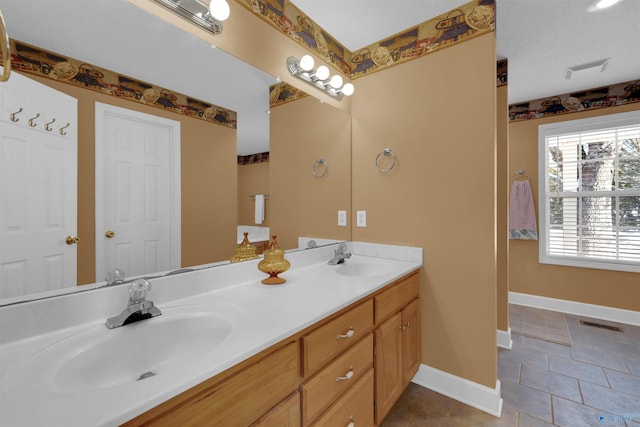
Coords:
109,234
72,240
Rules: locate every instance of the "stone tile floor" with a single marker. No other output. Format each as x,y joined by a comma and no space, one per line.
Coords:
595,382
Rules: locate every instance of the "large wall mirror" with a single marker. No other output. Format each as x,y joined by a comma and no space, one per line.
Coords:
216,190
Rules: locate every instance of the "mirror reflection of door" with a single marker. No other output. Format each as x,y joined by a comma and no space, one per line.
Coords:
137,192
38,188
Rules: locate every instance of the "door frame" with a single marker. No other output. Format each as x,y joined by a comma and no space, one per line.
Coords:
101,111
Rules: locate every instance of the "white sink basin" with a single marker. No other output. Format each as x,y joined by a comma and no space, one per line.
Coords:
98,358
355,268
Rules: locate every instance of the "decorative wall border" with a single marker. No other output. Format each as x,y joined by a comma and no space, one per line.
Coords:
283,93
253,158
33,60
469,20
590,99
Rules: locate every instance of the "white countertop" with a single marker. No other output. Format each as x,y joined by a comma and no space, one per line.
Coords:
264,315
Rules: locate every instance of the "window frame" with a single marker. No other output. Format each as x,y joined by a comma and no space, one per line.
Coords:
556,129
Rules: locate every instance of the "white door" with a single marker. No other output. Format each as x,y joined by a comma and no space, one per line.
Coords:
38,188
137,192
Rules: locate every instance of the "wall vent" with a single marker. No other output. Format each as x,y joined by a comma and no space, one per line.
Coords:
600,325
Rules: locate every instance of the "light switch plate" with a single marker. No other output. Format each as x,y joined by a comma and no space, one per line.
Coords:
361,219
342,218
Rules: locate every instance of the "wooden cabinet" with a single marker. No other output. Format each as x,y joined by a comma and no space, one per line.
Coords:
285,414
237,400
325,375
397,343
339,354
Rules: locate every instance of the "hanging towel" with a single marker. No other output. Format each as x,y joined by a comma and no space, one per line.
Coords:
522,215
259,212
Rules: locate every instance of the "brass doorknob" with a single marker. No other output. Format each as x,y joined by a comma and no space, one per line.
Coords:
109,234
72,240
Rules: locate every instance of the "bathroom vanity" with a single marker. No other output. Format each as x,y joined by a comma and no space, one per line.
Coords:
334,345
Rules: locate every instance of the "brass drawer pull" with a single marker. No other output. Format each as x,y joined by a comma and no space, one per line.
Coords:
349,334
347,377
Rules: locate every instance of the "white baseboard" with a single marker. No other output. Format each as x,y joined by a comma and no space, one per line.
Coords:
619,315
504,338
473,394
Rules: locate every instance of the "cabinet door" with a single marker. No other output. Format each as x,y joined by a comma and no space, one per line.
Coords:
410,341
388,365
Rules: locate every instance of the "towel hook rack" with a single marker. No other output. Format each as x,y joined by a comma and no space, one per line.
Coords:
13,117
319,168
384,153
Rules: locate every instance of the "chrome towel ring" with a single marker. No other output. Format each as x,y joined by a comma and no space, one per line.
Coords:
6,51
319,168
384,153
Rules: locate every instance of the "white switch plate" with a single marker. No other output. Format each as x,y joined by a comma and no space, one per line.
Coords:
361,219
342,218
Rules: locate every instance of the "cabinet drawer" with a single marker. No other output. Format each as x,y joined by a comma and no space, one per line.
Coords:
327,341
336,378
396,297
356,406
286,414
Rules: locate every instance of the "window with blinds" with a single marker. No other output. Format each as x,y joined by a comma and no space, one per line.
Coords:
589,192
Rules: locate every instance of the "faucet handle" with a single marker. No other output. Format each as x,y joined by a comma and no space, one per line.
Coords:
139,289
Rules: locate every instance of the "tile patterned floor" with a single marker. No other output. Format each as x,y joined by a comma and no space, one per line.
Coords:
547,384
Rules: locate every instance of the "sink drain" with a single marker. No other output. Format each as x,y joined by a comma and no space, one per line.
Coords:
146,375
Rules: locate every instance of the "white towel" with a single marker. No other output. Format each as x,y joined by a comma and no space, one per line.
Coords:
259,211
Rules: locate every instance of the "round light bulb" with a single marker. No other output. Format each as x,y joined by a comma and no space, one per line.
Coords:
336,82
306,62
603,4
219,9
322,73
348,89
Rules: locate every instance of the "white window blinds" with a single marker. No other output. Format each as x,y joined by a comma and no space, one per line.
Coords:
589,192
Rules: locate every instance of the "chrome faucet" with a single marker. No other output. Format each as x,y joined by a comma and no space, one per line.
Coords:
339,255
138,307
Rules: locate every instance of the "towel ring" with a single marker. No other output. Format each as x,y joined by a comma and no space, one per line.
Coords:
386,152
13,117
320,164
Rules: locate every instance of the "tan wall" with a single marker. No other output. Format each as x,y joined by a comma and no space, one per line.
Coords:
502,179
302,132
526,274
208,173
253,179
438,114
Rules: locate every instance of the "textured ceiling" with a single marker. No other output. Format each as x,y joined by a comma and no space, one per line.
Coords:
540,38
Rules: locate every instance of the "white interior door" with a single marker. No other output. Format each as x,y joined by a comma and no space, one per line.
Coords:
38,188
137,192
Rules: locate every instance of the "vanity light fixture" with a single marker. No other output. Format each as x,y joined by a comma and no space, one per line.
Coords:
319,77
208,17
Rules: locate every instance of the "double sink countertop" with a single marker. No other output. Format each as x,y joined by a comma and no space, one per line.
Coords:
61,366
